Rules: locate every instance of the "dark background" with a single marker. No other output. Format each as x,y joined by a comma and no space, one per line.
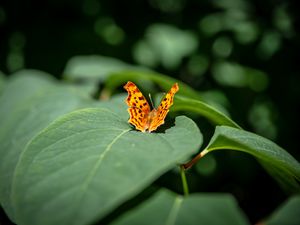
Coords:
245,54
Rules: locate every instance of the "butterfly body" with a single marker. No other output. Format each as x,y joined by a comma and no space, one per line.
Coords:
150,118
141,116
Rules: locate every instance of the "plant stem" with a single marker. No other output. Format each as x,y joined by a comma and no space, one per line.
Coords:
184,182
194,160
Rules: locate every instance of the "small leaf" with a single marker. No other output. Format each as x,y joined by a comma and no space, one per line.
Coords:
212,114
287,213
165,44
275,159
90,161
167,208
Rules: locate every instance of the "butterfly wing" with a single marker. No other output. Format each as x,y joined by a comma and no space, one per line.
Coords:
138,107
163,108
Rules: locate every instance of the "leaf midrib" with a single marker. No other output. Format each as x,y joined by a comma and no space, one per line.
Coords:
62,119
70,136
93,171
171,219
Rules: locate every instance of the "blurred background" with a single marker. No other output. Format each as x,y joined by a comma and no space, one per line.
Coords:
243,54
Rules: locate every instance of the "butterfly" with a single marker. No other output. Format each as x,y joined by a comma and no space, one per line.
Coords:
141,116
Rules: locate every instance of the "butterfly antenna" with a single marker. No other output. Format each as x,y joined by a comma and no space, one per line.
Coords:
151,101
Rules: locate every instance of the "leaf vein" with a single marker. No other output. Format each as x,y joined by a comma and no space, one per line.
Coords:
171,219
87,181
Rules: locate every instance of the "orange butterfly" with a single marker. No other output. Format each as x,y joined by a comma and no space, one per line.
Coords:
141,116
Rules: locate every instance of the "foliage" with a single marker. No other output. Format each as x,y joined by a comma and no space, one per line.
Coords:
230,138
166,208
62,149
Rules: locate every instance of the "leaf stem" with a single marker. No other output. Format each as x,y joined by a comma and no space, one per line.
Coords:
194,160
184,182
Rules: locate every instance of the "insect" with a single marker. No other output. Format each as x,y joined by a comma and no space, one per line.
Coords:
141,116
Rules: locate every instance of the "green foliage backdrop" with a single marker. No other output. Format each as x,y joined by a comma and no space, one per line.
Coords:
67,149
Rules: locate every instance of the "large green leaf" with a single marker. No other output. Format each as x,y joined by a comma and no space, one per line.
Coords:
89,161
287,213
275,159
170,209
30,101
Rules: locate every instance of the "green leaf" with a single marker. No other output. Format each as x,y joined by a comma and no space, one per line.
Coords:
287,213
85,90
116,73
22,85
2,81
236,75
181,103
166,45
115,104
94,68
30,101
282,165
163,81
168,208
203,109
90,161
